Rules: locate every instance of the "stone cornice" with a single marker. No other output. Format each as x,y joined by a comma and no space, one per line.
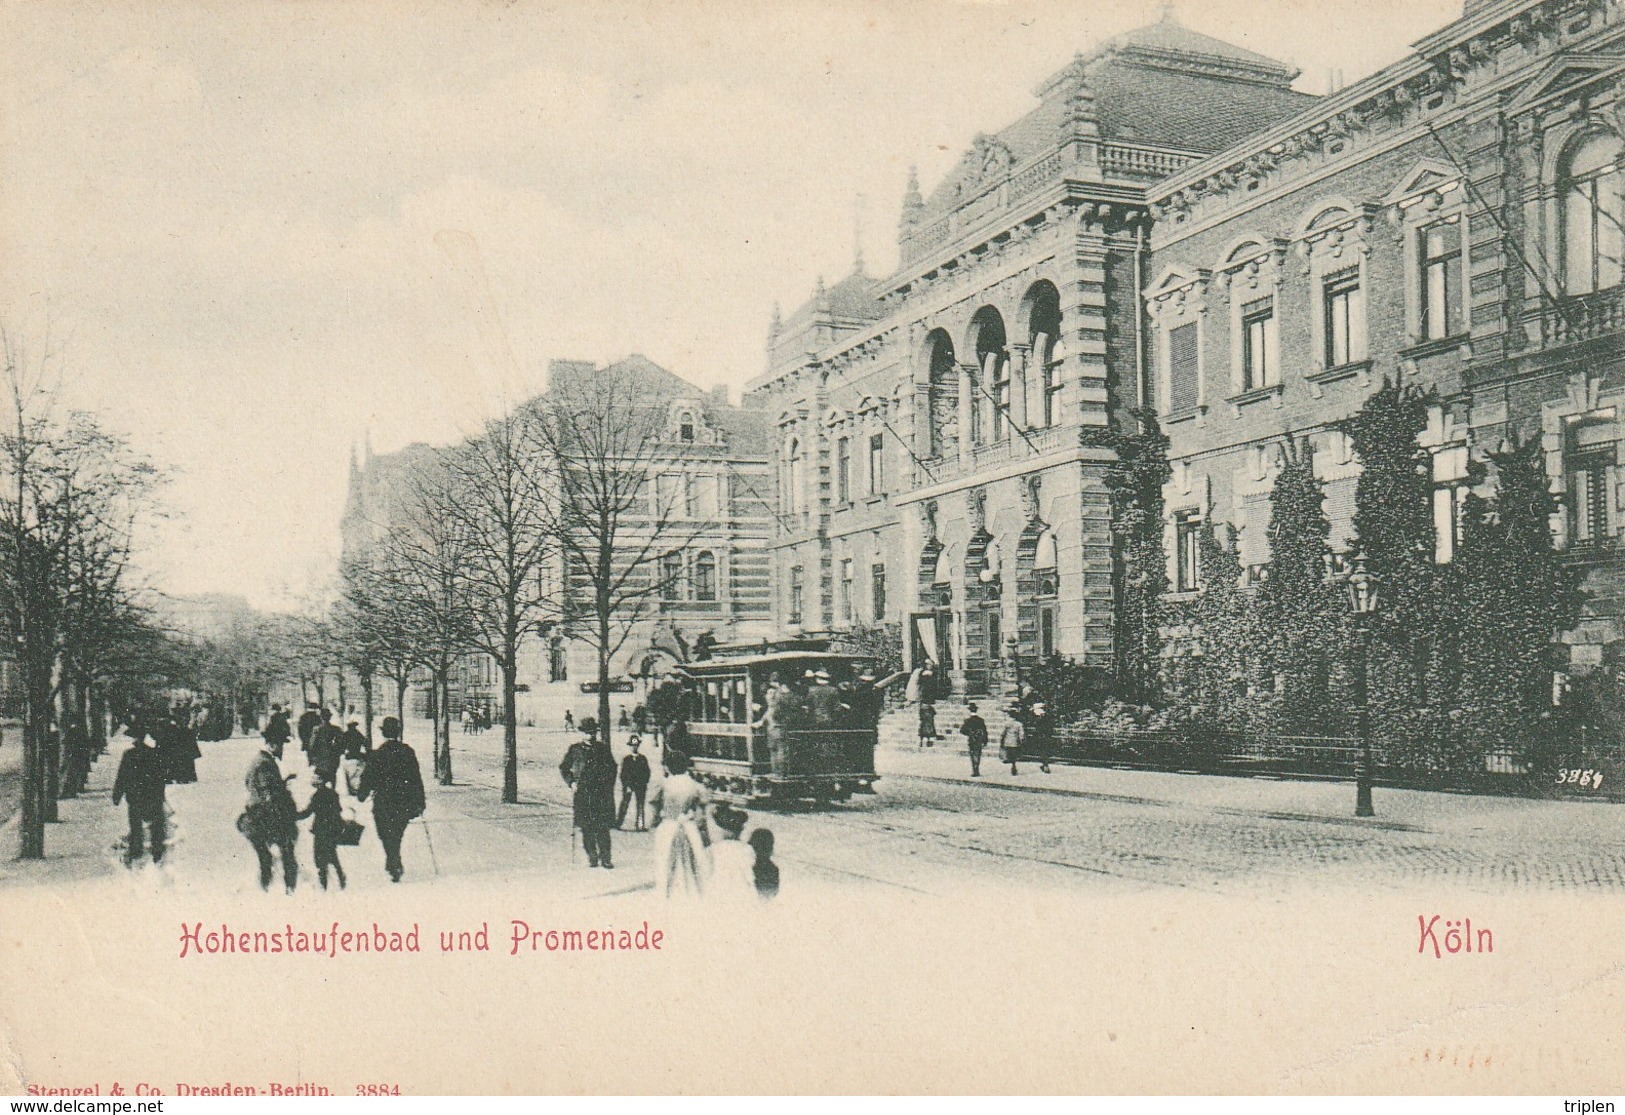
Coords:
1391,100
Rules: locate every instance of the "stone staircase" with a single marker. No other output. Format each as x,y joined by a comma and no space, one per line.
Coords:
900,727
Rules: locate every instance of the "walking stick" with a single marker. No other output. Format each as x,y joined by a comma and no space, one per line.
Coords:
433,860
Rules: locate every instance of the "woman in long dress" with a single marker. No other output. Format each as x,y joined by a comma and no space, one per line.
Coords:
682,855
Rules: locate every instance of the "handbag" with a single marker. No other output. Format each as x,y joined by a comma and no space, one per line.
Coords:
350,833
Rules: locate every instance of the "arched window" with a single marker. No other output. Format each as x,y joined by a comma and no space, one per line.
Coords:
1046,586
1593,193
705,576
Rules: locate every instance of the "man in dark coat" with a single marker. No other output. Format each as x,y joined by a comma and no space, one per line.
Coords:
326,747
270,818
140,785
974,729
356,743
634,782
276,730
589,768
394,781
309,720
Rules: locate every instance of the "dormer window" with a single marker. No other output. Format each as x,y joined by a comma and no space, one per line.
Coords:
685,430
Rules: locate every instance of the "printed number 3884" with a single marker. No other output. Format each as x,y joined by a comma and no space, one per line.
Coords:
1582,778
377,1089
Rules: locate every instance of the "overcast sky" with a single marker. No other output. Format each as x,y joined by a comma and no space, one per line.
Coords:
267,231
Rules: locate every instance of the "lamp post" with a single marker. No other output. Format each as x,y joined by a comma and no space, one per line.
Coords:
1364,598
1010,645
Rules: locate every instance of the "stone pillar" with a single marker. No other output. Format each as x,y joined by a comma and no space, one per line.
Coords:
967,400
1020,355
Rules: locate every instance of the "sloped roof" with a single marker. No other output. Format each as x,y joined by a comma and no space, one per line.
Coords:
1169,35
1163,85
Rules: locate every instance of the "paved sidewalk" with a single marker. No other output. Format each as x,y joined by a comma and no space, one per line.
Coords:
465,833
1282,798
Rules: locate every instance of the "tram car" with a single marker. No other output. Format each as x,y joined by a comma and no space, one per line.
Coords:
783,725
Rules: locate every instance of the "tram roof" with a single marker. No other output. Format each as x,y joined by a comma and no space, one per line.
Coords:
725,663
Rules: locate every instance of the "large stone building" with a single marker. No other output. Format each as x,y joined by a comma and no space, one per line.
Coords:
1453,221
934,428
709,479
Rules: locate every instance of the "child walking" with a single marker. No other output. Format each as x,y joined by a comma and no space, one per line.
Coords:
327,823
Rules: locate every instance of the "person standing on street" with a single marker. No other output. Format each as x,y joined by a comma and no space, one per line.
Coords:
270,817
589,769
974,729
277,730
140,785
634,782
1013,739
309,720
928,722
326,747
394,781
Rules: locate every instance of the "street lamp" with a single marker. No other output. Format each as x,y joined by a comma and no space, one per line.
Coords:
1010,645
1363,588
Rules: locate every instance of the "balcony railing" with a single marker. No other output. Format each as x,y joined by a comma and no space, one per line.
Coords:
1585,318
1014,447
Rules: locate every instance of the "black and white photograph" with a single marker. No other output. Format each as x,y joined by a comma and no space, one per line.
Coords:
885,546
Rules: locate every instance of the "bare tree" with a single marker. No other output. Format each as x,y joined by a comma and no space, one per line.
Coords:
73,495
497,498
604,434
423,567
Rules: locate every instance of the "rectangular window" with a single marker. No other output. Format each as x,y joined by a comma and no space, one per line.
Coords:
795,594
843,471
668,490
1258,345
846,589
877,464
1588,498
1449,492
1052,384
1344,319
1187,551
1001,397
1182,369
877,590
671,576
1441,280
1046,632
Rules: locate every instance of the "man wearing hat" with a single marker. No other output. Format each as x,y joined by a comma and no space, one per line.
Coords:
634,782
589,769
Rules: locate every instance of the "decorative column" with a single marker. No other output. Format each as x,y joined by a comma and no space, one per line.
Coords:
1020,355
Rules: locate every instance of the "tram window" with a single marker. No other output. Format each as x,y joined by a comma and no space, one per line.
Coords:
711,701
741,706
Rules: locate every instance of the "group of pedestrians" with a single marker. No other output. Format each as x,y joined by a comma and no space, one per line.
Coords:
698,850
1027,732
336,757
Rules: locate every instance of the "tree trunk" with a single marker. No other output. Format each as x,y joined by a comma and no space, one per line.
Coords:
603,675
442,726
98,719
366,700
510,730
343,709
400,702
36,722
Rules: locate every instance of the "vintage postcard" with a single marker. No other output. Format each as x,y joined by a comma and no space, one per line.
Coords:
905,546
